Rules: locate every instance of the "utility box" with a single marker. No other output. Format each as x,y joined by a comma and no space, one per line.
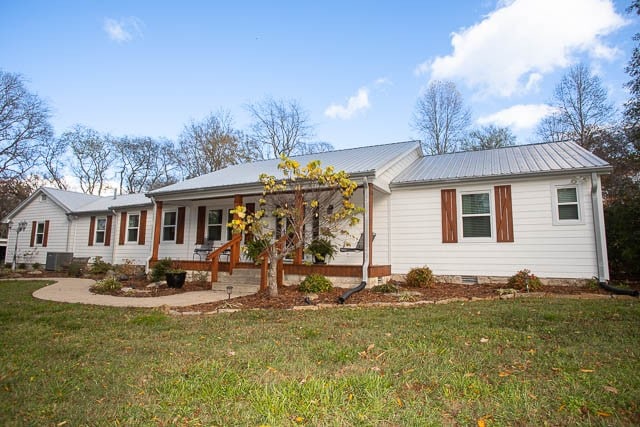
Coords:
58,260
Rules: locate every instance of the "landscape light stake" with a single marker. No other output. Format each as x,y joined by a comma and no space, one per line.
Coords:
229,290
21,226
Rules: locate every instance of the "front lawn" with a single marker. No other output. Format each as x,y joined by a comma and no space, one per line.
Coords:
516,362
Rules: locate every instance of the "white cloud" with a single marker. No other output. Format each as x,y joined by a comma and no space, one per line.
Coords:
518,117
355,103
123,30
510,50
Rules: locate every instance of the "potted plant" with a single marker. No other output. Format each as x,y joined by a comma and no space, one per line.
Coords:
175,278
322,250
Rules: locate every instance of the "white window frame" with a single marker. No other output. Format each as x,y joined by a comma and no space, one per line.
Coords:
174,226
492,216
221,224
129,215
100,230
39,234
556,214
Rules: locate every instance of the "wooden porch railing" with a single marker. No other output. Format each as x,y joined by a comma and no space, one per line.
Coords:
233,246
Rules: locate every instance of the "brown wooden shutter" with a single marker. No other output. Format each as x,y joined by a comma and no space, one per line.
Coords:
34,227
504,214
123,227
251,210
180,232
92,229
449,216
45,238
202,217
107,233
142,227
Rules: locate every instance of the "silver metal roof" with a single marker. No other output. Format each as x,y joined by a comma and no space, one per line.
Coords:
69,200
553,157
363,160
119,202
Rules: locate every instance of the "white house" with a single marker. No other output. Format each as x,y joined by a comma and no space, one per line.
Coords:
470,215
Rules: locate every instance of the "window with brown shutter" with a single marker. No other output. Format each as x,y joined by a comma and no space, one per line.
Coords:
202,217
45,237
504,213
92,229
180,233
449,216
34,227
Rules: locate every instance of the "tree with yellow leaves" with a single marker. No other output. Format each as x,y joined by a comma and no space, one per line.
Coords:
305,203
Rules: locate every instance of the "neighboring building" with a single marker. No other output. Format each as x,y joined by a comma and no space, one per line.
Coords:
469,215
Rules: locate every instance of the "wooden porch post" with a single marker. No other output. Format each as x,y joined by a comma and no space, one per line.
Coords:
235,249
156,231
297,259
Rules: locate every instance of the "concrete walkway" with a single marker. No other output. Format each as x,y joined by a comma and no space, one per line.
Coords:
77,291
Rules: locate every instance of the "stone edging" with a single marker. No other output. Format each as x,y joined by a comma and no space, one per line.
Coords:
406,304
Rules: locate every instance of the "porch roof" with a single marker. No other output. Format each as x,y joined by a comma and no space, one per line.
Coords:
520,160
362,161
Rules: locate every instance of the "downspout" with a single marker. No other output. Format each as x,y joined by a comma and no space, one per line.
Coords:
147,267
598,225
365,250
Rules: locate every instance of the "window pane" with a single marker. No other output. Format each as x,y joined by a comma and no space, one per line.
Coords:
215,216
568,211
133,221
567,195
40,227
132,235
475,204
101,224
169,233
476,226
169,218
215,232
99,236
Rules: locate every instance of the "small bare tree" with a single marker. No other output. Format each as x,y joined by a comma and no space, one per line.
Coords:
54,154
92,157
209,145
301,196
581,108
143,163
24,126
280,128
441,117
489,137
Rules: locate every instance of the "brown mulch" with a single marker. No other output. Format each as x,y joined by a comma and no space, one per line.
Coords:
289,296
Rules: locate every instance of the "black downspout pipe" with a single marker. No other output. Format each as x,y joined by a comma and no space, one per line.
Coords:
351,291
620,291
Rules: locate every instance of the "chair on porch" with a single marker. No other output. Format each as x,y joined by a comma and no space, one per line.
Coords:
359,247
203,250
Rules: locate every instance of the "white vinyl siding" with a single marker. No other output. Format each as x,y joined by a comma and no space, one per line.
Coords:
545,249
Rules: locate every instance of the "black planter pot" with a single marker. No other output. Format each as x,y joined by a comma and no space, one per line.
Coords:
317,260
175,280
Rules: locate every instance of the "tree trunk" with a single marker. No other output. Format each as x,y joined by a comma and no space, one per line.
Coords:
273,279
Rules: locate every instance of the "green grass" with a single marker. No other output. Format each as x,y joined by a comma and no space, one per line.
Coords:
520,362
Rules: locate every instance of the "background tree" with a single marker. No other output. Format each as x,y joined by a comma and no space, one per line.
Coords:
582,108
13,192
441,117
632,107
143,163
92,158
280,128
54,154
489,137
290,202
24,126
209,145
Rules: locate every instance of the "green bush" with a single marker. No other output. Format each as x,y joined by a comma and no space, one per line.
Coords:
106,286
159,269
420,277
255,247
100,267
315,283
74,269
36,265
385,288
523,280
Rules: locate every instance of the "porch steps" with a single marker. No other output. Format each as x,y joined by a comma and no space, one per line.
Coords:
240,276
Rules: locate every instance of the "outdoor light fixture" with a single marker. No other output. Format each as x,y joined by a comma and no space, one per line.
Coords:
21,226
229,290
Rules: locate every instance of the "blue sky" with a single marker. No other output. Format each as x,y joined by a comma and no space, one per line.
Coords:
148,67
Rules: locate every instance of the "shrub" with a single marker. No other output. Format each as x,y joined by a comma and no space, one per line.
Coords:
315,283
200,276
159,269
524,280
106,286
128,268
74,269
22,266
386,288
36,265
100,267
420,277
